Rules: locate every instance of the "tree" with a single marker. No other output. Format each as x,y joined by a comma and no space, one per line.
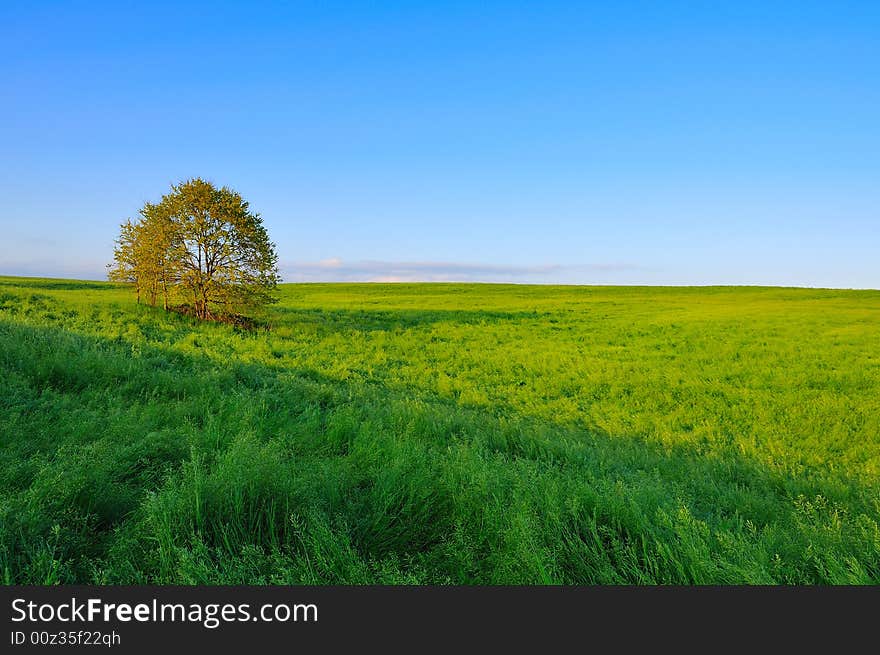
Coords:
226,259
200,243
157,252
124,266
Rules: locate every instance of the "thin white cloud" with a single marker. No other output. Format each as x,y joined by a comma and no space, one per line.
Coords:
336,270
53,269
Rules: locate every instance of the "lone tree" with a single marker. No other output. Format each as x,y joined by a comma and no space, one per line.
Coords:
200,245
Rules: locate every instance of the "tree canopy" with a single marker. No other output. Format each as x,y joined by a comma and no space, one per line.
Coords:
199,246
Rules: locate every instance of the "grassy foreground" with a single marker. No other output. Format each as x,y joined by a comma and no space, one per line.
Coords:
442,434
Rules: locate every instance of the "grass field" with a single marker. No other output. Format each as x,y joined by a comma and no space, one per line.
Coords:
442,434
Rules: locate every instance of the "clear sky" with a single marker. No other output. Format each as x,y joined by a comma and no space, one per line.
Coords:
576,142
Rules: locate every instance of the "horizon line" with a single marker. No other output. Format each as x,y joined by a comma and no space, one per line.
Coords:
490,283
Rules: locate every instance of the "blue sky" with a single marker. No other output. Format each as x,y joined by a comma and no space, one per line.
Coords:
577,142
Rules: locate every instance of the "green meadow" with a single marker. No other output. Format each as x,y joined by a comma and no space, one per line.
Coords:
442,434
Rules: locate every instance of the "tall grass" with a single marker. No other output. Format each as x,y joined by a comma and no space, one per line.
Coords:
442,434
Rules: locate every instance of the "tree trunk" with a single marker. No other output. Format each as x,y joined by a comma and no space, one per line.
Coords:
205,313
